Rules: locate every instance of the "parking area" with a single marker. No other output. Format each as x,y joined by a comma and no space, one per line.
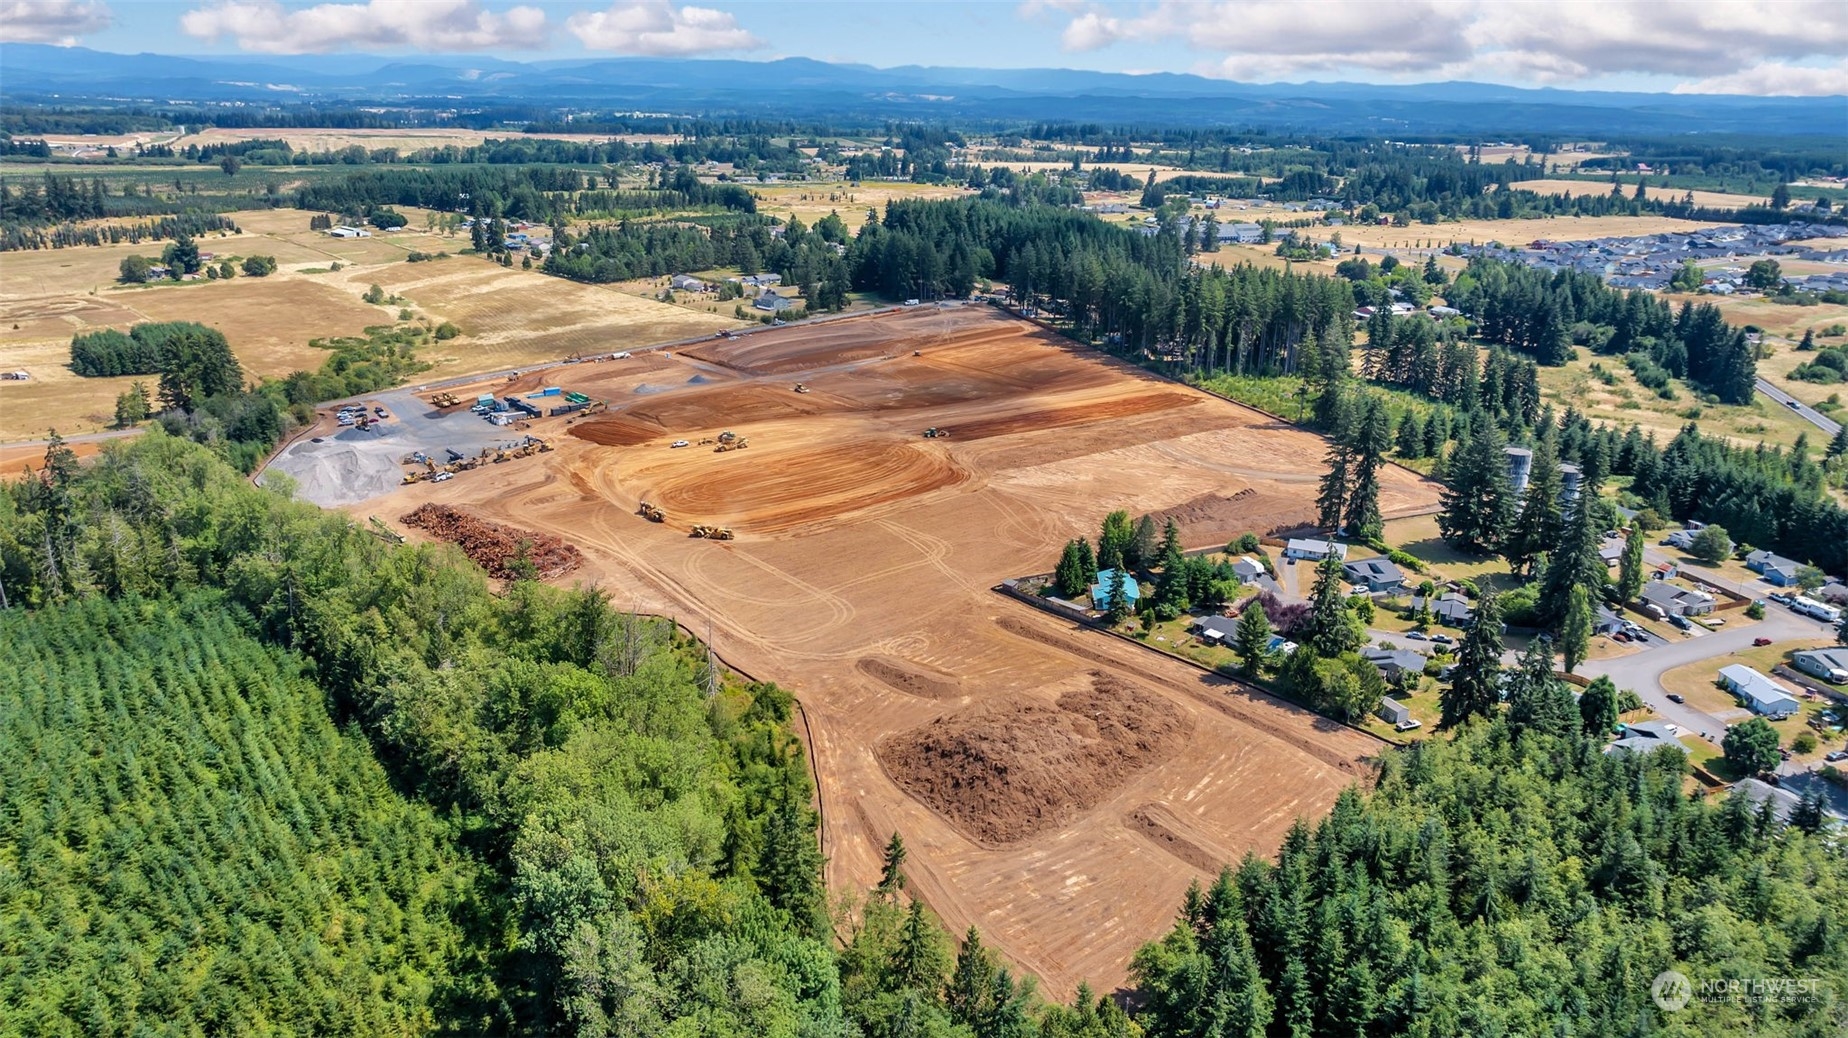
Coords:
343,466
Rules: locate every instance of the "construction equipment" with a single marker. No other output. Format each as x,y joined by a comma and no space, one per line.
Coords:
385,533
713,533
650,513
442,400
800,388
736,443
935,433
414,477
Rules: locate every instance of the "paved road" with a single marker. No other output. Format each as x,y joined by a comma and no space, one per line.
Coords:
1809,414
1643,671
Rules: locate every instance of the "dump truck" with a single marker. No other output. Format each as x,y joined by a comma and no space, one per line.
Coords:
736,443
442,400
714,533
801,388
650,512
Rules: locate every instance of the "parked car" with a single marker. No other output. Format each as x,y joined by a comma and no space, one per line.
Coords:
1757,642
1782,597
1676,697
1407,725
1443,639
441,477
1835,755
1416,636
681,443
1681,621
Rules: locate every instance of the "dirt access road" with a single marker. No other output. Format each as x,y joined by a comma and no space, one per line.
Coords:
1057,788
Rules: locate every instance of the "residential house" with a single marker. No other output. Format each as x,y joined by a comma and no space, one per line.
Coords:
1312,549
1759,693
1611,552
1830,665
1100,591
344,231
1395,665
687,283
1646,737
1219,630
1775,569
1376,575
1607,621
1393,712
1247,569
770,302
1448,608
1677,601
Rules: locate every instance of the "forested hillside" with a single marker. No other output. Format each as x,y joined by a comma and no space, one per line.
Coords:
188,844
593,833
1516,881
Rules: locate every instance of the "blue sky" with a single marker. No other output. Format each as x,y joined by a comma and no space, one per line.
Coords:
1705,46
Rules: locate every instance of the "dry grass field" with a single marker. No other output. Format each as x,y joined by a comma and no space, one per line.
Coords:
1056,787
1574,188
1511,232
812,202
510,317
1521,153
1630,402
405,140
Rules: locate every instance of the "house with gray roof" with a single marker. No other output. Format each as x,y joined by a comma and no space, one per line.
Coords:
1775,569
1376,575
1450,608
1646,737
1395,664
1830,665
1759,693
1247,569
1674,600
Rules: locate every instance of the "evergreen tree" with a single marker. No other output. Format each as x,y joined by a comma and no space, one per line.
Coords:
1142,547
1372,438
1630,566
1839,445
891,871
1332,630
1069,577
1252,637
790,867
1577,563
1477,504
1538,701
1332,501
1113,541
1089,561
1575,629
1409,441
1475,686
1598,708
1170,544
1119,608
918,959
1751,746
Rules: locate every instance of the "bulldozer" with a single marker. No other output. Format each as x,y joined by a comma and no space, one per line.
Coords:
414,477
650,512
713,533
801,388
935,433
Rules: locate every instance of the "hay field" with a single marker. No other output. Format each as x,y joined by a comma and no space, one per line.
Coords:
510,317
1521,153
1712,199
1508,232
862,580
810,202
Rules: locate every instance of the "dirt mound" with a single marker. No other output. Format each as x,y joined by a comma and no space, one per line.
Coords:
492,546
910,677
1004,773
620,430
1077,414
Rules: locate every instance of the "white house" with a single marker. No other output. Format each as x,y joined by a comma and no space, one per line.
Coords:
1247,569
1313,550
1760,693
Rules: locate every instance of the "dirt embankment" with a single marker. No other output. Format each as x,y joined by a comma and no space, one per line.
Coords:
493,546
911,678
1004,773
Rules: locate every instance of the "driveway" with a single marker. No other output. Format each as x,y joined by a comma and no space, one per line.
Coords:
1806,412
1643,671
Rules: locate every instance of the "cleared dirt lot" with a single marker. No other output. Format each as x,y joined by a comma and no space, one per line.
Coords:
992,735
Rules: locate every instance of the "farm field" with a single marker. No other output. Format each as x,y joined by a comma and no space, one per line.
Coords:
1037,771
335,139
810,202
509,317
1708,199
1420,237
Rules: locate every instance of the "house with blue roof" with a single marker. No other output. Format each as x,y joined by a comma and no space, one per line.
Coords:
1100,591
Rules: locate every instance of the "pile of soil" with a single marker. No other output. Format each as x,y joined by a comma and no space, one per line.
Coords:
1005,773
910,677
492,546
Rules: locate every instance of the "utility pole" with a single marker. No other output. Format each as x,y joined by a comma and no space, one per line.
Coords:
712,668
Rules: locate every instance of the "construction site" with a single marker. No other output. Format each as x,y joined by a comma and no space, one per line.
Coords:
1057,787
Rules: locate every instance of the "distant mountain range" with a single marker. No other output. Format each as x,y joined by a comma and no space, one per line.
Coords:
800,87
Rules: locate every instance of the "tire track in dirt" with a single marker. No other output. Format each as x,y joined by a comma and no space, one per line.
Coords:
1017,626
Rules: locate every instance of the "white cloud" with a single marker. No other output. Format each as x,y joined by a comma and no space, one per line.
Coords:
1745,45
51,21
429,25
1773,79
657,28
